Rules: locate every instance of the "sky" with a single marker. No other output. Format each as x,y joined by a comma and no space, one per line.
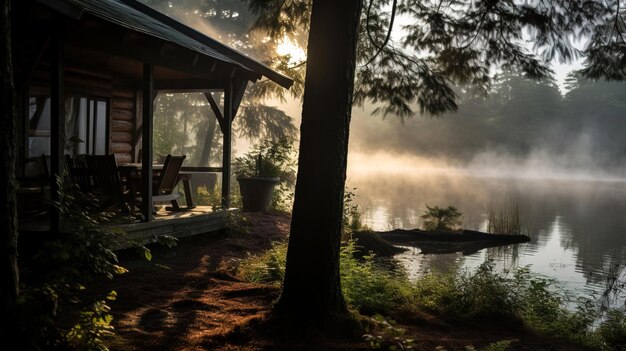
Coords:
561,70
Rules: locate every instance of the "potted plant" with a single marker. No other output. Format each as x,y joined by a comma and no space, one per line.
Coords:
260,170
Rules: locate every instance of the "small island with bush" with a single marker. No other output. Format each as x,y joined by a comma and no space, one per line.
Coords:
442,234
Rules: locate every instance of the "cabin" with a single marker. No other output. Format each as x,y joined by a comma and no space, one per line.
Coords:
87,73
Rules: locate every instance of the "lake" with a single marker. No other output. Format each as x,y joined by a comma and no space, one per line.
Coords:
577,224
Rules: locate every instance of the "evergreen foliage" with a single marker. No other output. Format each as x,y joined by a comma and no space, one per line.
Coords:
535,108
182,124
522,121
437,218
459,42
229,22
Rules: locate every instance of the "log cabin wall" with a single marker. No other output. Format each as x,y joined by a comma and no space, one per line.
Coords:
77,81
122,100
122,124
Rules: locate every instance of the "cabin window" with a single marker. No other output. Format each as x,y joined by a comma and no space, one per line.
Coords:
86,126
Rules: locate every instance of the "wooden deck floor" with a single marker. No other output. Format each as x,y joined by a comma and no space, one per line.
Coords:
180,224
199,220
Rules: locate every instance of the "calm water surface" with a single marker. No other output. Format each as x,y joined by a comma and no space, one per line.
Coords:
577,226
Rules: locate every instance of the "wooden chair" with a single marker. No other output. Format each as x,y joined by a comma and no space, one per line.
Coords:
98,175
164,186
77,173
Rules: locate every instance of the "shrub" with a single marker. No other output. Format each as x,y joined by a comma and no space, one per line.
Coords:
55,308
612,331
370,287
351,220
434,292
436,218
520,295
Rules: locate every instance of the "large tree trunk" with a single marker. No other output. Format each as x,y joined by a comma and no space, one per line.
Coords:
9,285
312,288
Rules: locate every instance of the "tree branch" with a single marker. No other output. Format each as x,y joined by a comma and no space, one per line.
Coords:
380,48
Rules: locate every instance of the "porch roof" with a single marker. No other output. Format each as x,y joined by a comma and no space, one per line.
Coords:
141,18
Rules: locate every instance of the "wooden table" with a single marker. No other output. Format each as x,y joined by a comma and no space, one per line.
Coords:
128,169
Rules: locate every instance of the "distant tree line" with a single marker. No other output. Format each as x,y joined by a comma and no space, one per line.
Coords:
519,119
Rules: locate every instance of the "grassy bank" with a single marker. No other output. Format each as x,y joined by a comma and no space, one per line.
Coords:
518,297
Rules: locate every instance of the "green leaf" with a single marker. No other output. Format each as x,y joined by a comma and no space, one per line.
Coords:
112,296
148,255
120,269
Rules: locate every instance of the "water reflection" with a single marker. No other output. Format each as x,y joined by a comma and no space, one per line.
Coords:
577,227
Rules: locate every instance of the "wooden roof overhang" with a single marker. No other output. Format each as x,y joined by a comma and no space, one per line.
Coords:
119,36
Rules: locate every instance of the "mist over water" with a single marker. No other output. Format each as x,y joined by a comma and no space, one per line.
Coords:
576,220
560,158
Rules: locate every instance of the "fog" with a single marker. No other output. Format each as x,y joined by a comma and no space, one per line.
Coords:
559,157
523,129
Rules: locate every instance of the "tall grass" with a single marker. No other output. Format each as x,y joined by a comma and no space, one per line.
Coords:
506,219
268,267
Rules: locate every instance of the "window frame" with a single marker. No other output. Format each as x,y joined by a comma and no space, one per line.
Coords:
26,131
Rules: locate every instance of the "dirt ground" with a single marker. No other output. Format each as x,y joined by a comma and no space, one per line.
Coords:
187,299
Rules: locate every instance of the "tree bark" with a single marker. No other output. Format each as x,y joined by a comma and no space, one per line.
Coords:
9,286
312,289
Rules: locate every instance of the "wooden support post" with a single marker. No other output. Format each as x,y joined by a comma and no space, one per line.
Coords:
22,135
227,133
57,125
146,141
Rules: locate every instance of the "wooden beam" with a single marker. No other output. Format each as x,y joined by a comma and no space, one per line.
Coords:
227,143
146,141
216,109
240,89
57,124
188,85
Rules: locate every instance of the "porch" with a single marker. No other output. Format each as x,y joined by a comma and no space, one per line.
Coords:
89,75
